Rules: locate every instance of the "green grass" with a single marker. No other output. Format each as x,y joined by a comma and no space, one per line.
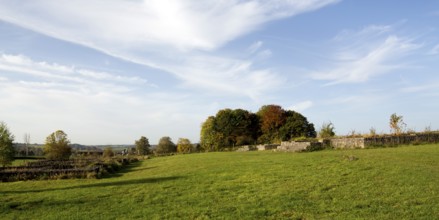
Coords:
390,183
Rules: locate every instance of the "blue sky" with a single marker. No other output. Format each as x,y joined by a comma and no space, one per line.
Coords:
110,71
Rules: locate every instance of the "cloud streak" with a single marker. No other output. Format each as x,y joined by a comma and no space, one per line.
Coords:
53,71
175,36
180,24
302,106
367,55
54,96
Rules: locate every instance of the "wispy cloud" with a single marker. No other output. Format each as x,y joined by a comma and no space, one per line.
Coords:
434,50
175,36
432,86
179,24
80,100
255,47
302,106
53,71
366,54
365,33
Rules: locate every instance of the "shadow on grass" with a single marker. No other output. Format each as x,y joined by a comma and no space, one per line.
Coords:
103,184
127,169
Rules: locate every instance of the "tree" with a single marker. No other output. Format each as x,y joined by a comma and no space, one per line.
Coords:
142,146
271,118
57,146
26,139
327,130
271,124
165,146
6,145
396,124
108,152
296,125
208,135
229,128
184,145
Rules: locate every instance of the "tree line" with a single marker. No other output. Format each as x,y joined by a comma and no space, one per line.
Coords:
228,128
271,124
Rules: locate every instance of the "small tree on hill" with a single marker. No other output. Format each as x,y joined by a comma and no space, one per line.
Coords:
327,130
57,146
396,124
142,146
108,152
6,146
165,146
184,145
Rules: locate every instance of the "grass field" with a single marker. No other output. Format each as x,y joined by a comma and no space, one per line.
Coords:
389,183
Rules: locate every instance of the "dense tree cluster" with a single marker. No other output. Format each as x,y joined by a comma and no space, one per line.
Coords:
165,146
6,146
271,124
184,145
57,146
142,146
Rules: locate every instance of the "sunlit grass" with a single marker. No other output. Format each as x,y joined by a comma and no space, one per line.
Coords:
391,183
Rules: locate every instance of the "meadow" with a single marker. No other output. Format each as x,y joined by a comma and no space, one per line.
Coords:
385,183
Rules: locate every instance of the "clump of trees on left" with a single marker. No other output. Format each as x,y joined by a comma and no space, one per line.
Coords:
6,145
60,163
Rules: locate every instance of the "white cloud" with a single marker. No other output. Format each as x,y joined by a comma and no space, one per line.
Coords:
367,32
42,97
169,35
432,86
181,24
265,54
255,47
301,106
366,54
53,71
230,76
435,50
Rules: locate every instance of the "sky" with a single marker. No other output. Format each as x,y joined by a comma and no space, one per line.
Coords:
111,71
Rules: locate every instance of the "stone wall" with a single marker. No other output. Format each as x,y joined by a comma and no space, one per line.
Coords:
391,140
348,143
294,146
338,143
245,148
267,146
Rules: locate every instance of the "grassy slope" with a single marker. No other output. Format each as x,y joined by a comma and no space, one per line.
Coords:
391,183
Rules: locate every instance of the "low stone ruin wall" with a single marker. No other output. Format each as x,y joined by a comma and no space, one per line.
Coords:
347,143
245,148
293,146
267,146
402,139
391,140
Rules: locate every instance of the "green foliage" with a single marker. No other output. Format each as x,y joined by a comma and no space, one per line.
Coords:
296,125
6,145
396,124
165,146
271,124
327,130
142,146
390,183
209,140
184,145
304,139
57,146
108,152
